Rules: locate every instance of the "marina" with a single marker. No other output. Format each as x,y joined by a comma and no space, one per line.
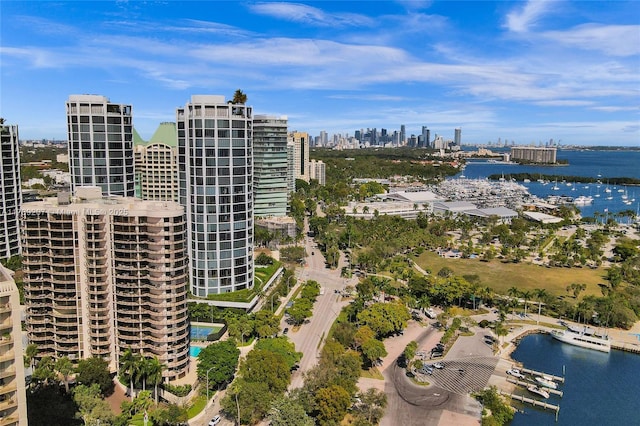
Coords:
533,401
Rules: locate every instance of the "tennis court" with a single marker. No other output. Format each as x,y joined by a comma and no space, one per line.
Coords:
200,332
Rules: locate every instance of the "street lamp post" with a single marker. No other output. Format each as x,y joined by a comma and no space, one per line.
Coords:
208,382
289,279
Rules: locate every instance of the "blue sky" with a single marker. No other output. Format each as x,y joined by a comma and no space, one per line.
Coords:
524,71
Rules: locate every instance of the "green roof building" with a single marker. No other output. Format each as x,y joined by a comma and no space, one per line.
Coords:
157,164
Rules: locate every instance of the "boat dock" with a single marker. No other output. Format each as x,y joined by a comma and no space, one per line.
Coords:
626,347
540,373
534,402
521,383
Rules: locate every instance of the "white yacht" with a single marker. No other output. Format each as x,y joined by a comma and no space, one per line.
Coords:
540,392
585,338
583,200
547,382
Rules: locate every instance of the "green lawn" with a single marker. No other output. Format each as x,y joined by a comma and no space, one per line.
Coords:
502,276
198,405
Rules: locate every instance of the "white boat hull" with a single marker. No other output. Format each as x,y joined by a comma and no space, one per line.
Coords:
601,344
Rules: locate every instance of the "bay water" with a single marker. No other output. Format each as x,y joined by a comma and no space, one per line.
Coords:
602,165
599,388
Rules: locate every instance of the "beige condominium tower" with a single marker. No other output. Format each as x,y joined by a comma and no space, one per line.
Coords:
157,164
13,400
106,274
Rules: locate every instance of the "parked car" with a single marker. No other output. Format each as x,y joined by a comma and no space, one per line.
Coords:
427,369
214,421
286,330
439,365
436,354
515,373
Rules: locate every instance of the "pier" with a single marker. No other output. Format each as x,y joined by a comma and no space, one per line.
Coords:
540,373
626,347
534,402
521,383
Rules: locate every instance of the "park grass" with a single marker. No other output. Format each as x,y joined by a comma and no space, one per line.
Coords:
138,420
418,382
524,276
372,373
198,405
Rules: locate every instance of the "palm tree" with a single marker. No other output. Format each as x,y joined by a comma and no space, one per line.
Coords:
514,293
526,295
541,294
154,374
30,353
239,97
64,367
142,371
129,366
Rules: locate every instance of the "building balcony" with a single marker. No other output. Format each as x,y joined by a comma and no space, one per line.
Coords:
7,372
8,403
100,334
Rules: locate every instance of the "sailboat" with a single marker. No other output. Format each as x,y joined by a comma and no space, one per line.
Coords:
555,186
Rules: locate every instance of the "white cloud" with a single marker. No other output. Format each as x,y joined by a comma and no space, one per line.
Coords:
613,40
564,102
519,21
302,13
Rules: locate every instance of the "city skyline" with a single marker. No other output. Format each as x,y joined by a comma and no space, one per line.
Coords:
522,71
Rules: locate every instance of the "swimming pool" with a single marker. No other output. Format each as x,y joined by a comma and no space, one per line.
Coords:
194,351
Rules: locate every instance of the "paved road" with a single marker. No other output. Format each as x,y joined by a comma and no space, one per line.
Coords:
325,310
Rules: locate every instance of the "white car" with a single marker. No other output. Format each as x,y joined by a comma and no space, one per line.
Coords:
439,365
515,373
214,421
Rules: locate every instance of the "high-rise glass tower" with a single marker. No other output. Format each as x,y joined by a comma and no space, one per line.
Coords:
100,143
457,139
10,194
215,174
270,166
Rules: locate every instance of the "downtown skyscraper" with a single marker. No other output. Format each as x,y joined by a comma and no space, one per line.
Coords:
215,175
100,144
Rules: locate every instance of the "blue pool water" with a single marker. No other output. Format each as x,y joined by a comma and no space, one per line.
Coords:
194,351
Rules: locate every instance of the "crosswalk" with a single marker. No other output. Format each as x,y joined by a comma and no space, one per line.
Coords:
464,375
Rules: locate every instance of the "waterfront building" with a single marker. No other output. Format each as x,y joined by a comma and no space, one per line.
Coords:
457,139
300,142
100,144
533,154
270,167
10,192
317,171
13,399
106,274
156,164
215,173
